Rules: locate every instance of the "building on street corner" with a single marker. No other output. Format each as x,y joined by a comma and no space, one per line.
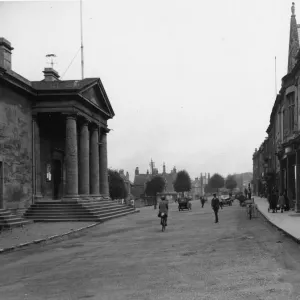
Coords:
277,161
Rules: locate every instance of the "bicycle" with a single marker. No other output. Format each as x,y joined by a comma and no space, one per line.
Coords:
249,208
163,222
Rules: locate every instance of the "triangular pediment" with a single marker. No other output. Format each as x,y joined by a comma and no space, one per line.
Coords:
96,96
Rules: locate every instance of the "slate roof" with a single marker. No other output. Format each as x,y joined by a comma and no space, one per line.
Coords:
63,85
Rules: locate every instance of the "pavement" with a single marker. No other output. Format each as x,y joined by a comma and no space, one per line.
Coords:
36,231
288,221
131,258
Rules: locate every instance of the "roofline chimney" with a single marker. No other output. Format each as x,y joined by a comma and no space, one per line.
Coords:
50,74
5,53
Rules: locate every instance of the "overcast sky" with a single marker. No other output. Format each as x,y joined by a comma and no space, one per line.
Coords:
192,82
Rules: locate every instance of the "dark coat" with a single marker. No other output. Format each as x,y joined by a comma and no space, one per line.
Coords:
215,203
274,201
163,207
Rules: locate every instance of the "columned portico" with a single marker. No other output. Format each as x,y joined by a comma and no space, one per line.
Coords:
71,157
94,165
104,188
84,159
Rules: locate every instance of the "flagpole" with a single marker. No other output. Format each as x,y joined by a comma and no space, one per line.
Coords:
275,79
82,63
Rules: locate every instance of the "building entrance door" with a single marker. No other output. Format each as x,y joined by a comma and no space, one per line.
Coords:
57,176
1,185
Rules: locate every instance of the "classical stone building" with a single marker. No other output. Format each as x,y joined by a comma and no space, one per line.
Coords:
53,137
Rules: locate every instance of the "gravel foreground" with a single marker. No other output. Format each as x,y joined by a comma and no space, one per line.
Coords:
130,258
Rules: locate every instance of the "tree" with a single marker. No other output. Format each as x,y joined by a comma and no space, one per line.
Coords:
230,182
117,188
182,182
155,185
216,181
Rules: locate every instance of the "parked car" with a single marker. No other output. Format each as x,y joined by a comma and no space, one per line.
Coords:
226,199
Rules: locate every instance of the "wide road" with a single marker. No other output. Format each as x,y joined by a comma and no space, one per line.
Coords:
130,258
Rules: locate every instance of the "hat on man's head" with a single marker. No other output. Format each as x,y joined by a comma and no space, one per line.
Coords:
214,194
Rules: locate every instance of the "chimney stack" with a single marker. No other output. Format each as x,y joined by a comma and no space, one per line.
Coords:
50,74
137,171
5,54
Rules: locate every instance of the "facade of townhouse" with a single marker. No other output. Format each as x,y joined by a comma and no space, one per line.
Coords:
277,162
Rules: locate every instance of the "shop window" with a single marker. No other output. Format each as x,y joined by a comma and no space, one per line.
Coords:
48,176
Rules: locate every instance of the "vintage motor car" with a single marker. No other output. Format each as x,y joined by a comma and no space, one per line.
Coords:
226,199
184,203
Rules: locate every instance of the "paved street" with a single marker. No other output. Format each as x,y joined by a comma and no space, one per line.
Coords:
130,258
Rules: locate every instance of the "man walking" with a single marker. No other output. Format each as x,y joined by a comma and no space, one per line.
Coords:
215,204
202,201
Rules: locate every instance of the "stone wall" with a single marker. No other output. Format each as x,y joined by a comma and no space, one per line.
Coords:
16,148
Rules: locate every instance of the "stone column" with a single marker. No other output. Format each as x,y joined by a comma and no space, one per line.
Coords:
37,159
104,189
84,159
71,157
94,163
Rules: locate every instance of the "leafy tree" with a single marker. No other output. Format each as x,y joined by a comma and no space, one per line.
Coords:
155,185
182,182
117,188
230,182
216,181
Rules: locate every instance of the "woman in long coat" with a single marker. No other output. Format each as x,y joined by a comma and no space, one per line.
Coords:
273,201
281,201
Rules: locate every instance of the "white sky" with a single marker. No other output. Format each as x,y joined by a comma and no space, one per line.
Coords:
192,82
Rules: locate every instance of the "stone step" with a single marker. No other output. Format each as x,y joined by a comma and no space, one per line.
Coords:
86,219
75,204
92,210
9,218
82,215
74,208
71,211
15,223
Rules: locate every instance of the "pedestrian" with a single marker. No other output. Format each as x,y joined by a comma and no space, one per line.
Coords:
202,201
281,202
287,201
246,193
249,193
221,203
274,201
215,204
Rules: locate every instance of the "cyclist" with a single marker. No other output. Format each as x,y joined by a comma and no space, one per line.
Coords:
164,207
